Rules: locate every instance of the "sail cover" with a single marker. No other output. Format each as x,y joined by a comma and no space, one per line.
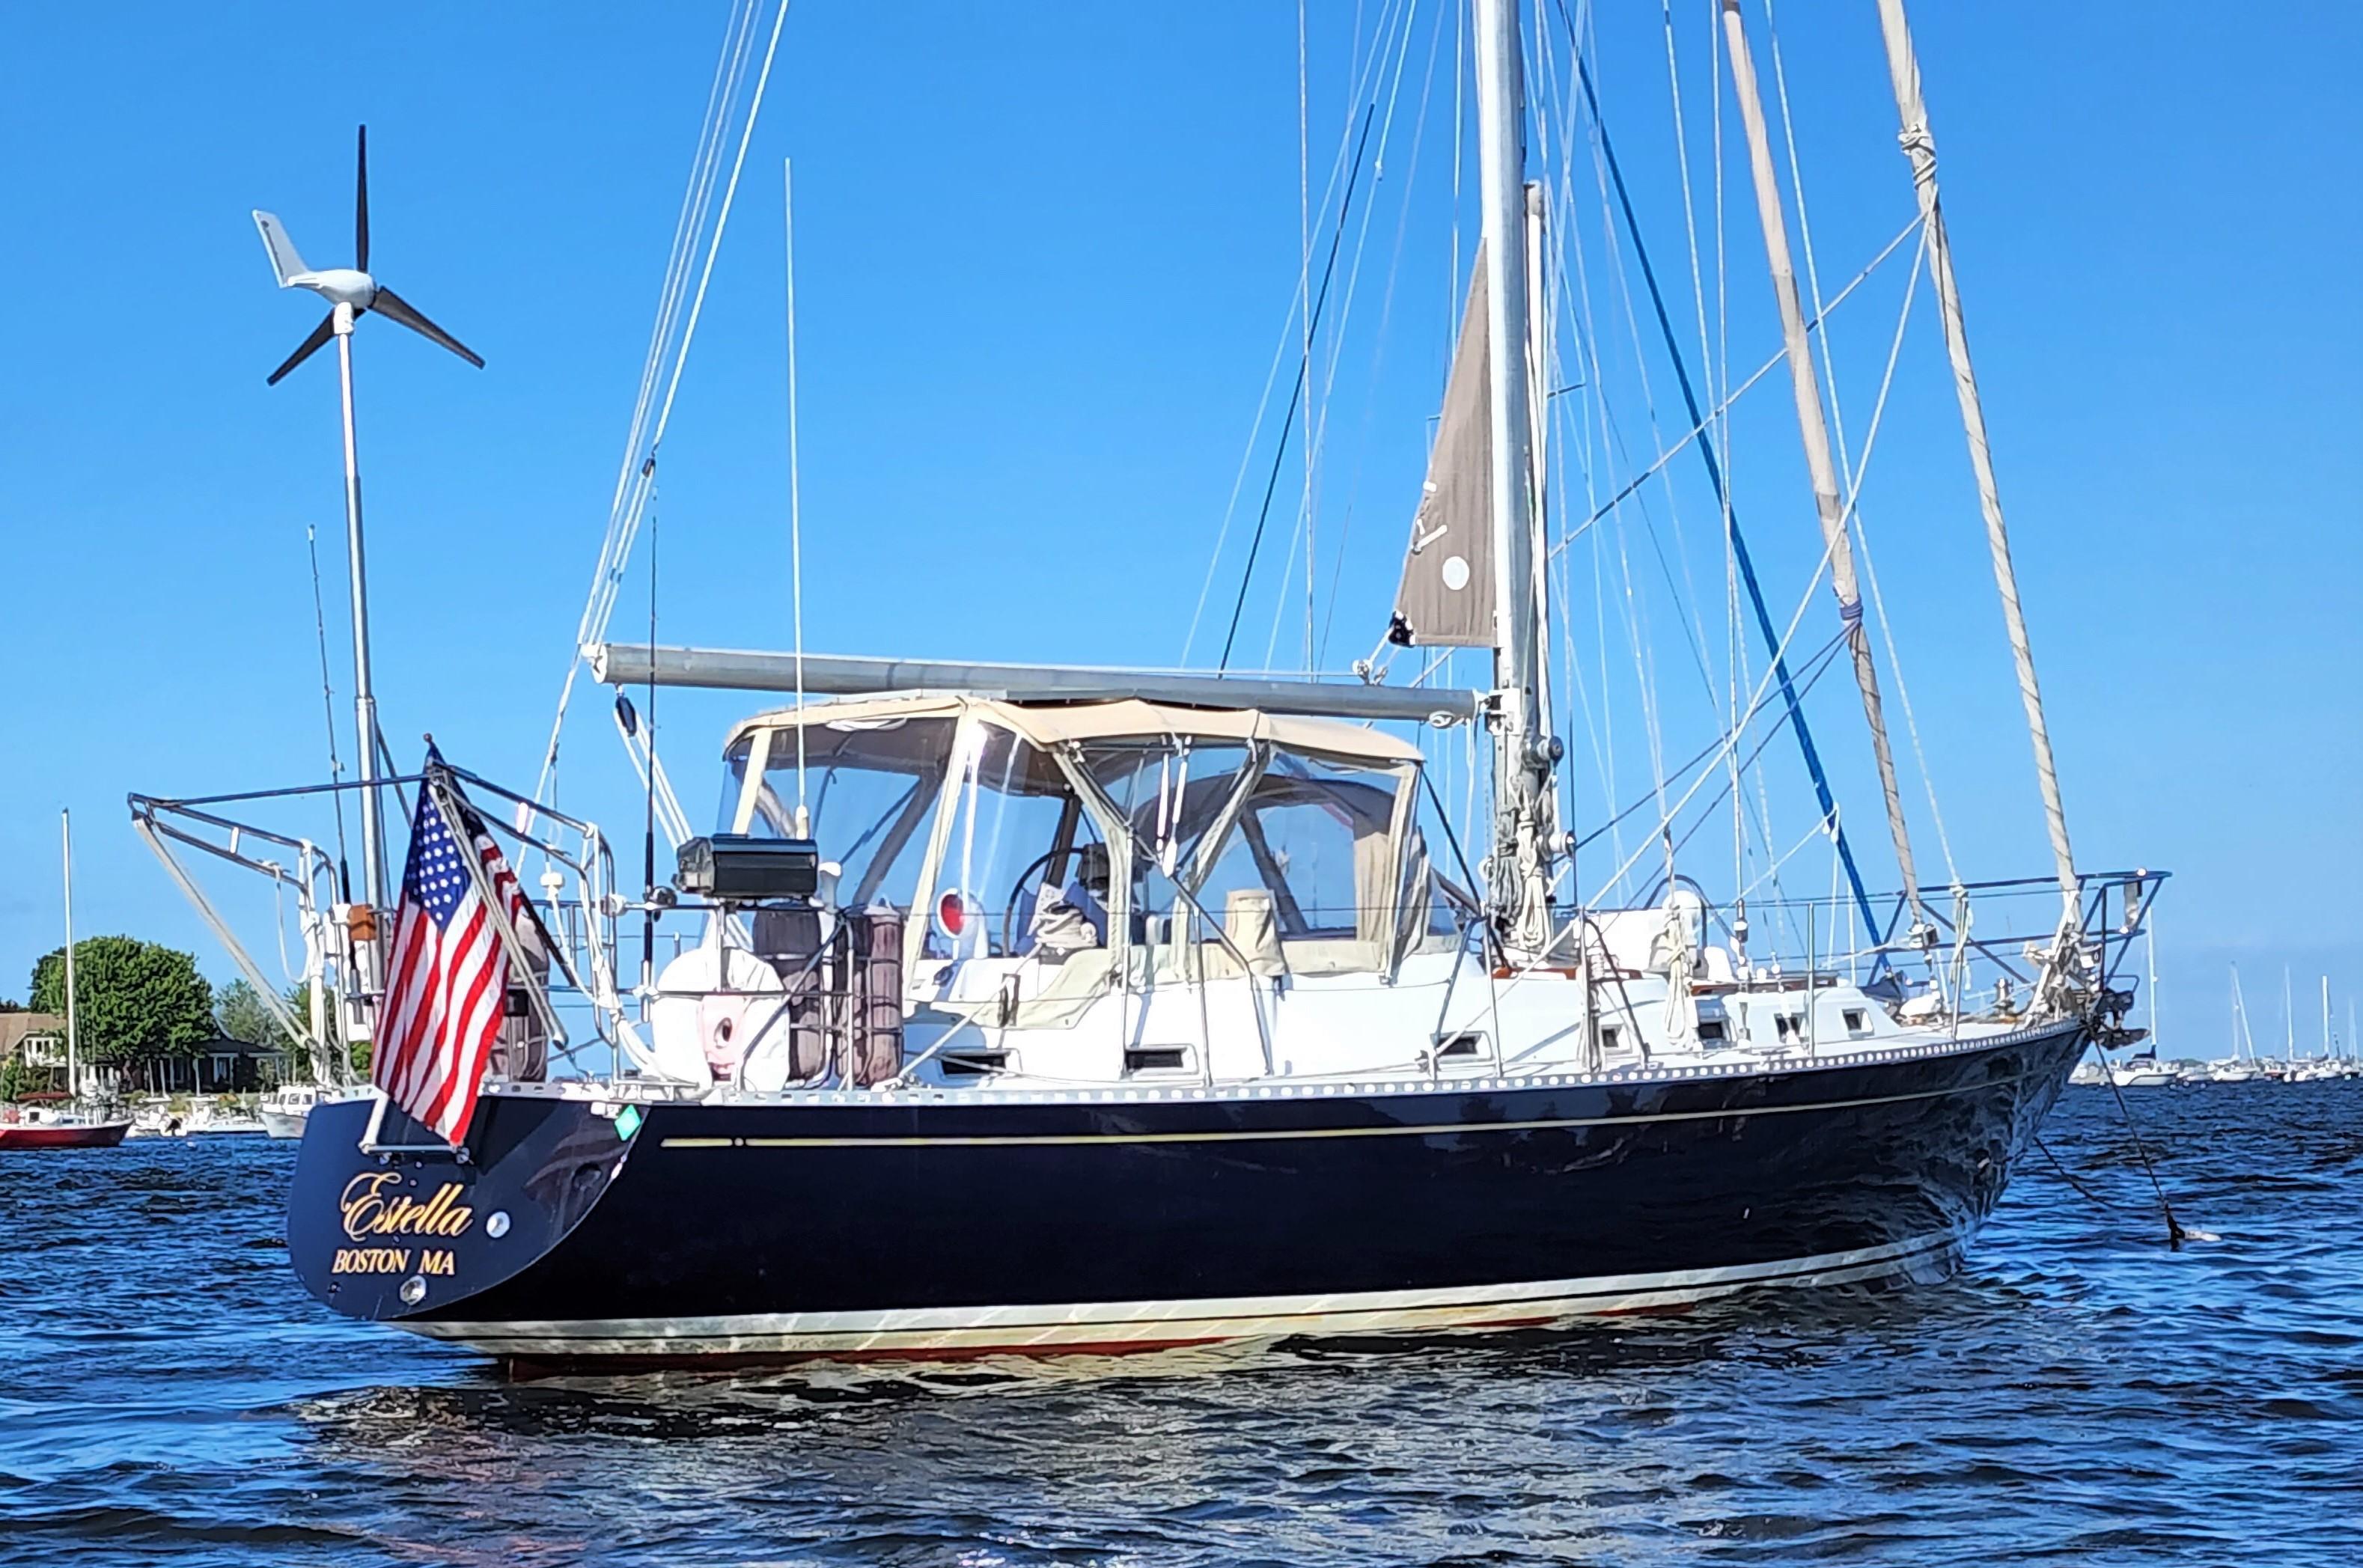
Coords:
1446,597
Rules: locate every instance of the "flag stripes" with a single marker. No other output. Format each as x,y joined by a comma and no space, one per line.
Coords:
448,968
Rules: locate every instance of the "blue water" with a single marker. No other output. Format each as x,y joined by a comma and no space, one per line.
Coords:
2079,1395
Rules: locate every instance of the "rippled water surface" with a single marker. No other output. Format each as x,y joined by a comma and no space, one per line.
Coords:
2080,1394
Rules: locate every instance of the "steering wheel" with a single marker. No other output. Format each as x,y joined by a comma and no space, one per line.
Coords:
1017,900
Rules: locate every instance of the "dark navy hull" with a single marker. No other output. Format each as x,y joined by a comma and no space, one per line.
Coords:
963,1224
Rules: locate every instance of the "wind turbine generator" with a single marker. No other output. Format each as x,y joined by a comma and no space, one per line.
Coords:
352,293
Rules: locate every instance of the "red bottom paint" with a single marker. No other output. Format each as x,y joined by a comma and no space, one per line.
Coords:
71,1135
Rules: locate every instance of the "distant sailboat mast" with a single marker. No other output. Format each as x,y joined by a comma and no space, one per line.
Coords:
2242,1038
2289,1020
73,1032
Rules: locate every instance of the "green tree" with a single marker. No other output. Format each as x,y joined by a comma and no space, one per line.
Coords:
242,1014
299,1002
135,1001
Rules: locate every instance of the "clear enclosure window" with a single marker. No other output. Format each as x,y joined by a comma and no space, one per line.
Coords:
1318,836
734,785
870,786
1022,860
1172,790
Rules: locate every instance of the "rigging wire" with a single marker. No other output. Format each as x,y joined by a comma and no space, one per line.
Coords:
1707,360
1706,421
1387,300
1852,470
1870,578
1716,470
632,501
1287,335
1315,443
796,489
1756,701
1304,287
1815,665
1296,395
648,823
1630,607
328,707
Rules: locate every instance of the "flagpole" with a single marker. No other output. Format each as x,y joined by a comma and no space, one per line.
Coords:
437,788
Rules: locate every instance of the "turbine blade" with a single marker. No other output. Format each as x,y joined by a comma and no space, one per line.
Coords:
361,205
284,262
306,348
393,308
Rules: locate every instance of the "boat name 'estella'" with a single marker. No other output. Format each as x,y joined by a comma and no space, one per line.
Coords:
368,1212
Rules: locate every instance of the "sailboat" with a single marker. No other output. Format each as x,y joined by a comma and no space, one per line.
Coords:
1044,1009
2144,1072
2315,1069
2240,1067
70,1124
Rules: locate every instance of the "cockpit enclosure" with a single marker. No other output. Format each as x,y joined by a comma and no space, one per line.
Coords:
1133,839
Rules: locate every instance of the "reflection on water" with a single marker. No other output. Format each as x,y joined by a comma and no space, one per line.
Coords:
2079,1393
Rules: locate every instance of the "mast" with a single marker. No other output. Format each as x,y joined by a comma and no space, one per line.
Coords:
1538,363
364,692
1522,760
73,1032
1812,423
2326,1018
2289,1020
2240,1016
1920,147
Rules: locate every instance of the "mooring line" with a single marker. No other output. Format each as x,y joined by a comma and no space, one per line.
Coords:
2174,1232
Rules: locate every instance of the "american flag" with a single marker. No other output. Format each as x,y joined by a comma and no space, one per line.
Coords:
447,973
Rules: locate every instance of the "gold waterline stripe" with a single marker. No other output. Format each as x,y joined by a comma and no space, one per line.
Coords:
1050,1139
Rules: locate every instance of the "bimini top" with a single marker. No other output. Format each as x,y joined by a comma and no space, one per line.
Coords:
1053,724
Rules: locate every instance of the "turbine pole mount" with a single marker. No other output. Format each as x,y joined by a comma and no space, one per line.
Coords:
351,293
364,689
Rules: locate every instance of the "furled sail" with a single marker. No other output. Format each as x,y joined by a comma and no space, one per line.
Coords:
1446,597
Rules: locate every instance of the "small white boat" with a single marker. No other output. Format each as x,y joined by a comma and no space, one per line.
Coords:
285,1109
214,1118
2142,1073
2231,1070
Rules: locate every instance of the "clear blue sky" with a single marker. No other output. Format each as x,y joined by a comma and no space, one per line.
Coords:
1044,256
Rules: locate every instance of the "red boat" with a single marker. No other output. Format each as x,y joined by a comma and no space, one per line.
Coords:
52,1129
63,1134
